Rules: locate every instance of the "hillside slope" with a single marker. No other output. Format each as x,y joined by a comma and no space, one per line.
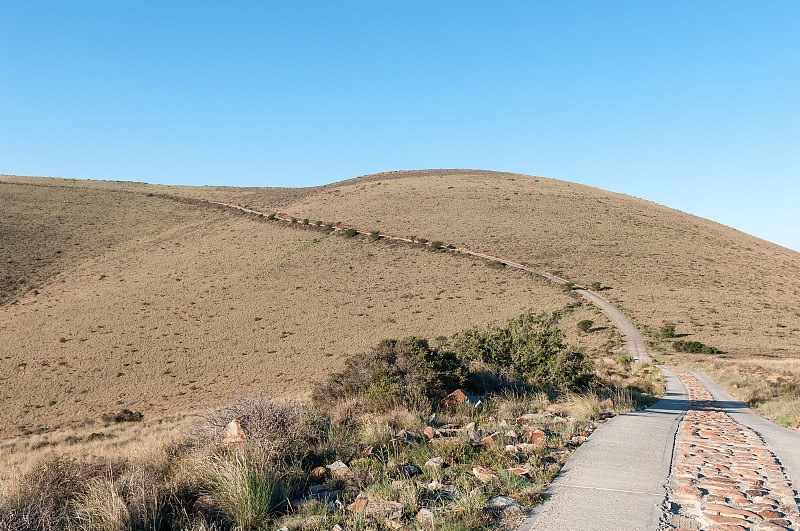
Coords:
218,305
719,285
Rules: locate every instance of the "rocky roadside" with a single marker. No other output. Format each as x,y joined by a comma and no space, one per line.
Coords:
391,488
723,476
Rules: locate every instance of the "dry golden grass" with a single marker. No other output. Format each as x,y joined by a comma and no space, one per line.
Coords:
721,286
225,305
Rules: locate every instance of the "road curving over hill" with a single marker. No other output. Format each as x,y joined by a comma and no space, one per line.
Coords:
669,466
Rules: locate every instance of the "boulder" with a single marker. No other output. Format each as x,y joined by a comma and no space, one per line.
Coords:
536,437
233,434
456,398
429,433
485,442
341,470
530,418
503,503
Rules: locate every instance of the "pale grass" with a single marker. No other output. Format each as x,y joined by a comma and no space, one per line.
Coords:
101,508
144,441
769,385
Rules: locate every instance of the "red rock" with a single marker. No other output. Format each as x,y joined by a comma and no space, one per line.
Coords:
715,508
233,434
770,513
456,398
719,519
536,437
689,491
429,433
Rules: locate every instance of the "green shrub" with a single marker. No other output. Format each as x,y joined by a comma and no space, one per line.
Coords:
667,331
568,286
375,235
350,232
271,217
247,495
422,240
694,347
395,372
624,359
318,223
596,286
585,325
531,345
294,220
437,244
305,221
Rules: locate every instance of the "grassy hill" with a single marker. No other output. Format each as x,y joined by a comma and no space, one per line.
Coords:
159,305
166,305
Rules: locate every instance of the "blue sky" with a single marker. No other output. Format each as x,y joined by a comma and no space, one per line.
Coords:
689,104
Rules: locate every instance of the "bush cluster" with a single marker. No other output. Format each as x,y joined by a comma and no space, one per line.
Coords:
524,352
694,347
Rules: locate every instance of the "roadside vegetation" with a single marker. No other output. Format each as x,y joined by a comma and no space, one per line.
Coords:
458,432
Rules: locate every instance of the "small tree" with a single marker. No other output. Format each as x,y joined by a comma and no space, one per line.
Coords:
271,217
375,235
350,232
585,325
596,286
437,244
305,221
667,331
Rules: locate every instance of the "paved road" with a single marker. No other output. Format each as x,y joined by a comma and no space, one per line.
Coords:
617,478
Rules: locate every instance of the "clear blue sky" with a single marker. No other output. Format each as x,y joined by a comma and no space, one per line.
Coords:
690,104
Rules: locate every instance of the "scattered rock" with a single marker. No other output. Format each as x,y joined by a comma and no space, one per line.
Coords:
233,434
530,418
485,474
426,518
536,437
337,527
487,441
578,440
373,505
410,469
393,524
511,434
341,470
404,437
434,463
456,398
429,433
503,502
319,473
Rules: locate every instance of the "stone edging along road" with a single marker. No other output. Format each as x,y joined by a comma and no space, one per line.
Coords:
731,470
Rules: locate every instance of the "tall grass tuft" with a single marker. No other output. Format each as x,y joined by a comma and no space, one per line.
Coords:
246,495
100,507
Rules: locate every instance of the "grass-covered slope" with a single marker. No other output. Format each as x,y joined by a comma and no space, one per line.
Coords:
719,285
190,304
